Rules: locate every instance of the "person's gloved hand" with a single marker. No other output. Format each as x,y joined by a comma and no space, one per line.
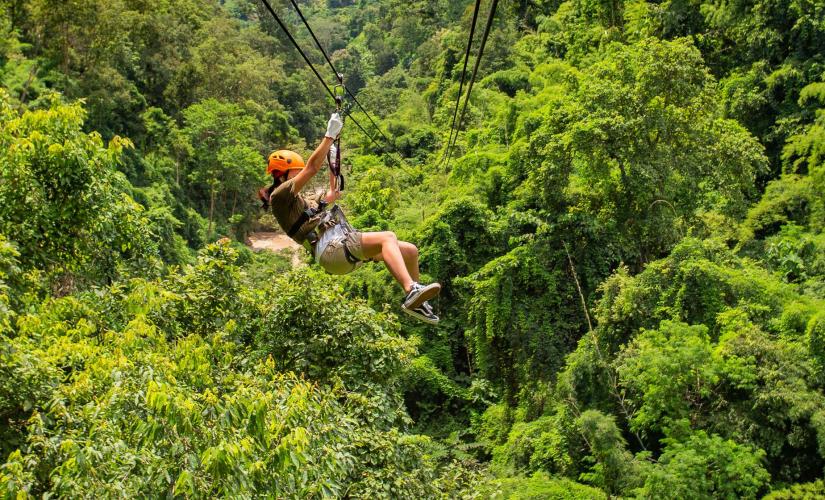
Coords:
334,126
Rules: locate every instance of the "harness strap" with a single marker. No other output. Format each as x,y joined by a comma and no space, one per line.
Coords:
335,163
352,259
305,216
298,224
338,164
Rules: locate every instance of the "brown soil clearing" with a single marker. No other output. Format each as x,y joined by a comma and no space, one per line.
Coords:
277,242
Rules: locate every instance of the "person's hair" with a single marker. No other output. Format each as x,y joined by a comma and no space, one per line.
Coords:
266,192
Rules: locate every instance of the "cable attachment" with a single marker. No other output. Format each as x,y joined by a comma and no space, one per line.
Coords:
334,154
338,92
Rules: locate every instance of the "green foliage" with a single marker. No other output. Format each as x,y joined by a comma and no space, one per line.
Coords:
373,200
430,392
62,199
659,164
211,295
697,282
638,152
815,338
805,148
17,288
614,469
516,337
308,330
785,200
672,371
493,425
146,388
158,200
256,433
706,466
804,491
742,371
26,382
456,239
262,266
796,254
222,51
224,159
540,486
543,444
18,73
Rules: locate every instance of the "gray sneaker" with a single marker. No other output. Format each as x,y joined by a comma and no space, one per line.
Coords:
424,313
419,294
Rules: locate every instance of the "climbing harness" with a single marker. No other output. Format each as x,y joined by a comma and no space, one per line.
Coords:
304,217
332,227
335,228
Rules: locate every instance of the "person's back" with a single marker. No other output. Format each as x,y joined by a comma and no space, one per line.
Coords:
290,208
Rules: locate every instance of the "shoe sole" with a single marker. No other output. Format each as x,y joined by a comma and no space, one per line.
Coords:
412,313
430,291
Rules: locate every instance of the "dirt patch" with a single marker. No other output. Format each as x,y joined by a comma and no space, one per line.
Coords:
277,242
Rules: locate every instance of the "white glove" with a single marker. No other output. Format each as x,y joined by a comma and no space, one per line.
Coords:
334,126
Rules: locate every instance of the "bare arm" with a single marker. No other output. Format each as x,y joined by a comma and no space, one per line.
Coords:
317,157
313,164
333,193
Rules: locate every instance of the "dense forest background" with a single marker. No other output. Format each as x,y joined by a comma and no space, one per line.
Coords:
630,234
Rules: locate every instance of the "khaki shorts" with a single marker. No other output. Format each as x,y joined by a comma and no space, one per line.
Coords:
334,259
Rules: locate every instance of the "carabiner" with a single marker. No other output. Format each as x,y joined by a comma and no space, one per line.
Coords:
338,89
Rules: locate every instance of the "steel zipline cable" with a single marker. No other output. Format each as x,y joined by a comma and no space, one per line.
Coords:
490,18
463,77
402,163
312,67
334,70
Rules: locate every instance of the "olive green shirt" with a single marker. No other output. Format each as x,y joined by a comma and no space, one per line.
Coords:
287,207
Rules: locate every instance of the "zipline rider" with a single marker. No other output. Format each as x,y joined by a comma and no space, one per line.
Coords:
334,244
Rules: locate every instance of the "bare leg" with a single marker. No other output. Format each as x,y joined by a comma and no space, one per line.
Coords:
410,254
385,246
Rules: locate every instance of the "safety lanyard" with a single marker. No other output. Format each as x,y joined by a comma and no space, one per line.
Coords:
335,163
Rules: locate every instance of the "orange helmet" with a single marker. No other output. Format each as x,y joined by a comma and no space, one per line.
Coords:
283,160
